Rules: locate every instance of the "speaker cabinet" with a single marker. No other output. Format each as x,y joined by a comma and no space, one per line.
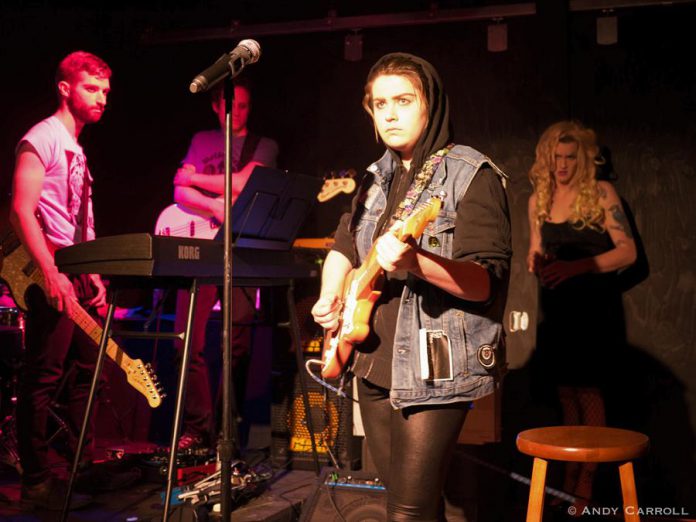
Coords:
331,420
345,496
331,416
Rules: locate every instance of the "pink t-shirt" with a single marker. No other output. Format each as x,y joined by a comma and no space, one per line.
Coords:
61,195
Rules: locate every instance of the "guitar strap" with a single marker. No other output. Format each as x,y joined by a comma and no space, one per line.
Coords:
251,142
84,206
420,181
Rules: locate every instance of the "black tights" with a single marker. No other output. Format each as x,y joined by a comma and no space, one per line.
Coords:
411,449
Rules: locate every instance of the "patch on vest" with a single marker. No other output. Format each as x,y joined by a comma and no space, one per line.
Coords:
486,356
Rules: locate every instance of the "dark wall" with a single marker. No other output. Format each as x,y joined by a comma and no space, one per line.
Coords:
640,96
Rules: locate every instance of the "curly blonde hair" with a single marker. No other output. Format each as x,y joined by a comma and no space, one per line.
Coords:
586,209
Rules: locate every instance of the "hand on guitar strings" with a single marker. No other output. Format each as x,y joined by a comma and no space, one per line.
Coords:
60,293
394,254
326,311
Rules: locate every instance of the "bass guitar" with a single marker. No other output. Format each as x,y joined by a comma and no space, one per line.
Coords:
343,182
361,289
180,221
19,273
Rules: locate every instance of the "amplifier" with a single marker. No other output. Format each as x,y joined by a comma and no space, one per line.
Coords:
331,418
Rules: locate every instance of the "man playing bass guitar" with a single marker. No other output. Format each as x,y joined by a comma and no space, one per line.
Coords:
198,186
52,207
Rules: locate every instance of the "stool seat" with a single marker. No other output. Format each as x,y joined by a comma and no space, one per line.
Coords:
583,443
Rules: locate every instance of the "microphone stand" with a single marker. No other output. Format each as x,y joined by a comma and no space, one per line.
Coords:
227,447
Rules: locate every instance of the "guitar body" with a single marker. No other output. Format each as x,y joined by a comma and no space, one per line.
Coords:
361,290
354,325
179,221
18,270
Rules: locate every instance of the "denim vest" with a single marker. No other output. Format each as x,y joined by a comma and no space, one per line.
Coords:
424,305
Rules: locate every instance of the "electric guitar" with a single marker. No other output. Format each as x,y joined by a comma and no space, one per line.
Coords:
19,272
361,289
344,182
180,221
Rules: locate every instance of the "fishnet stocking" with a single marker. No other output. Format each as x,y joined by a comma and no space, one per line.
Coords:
581,406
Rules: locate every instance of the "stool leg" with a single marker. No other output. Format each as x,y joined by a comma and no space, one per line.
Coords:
535,508
628,492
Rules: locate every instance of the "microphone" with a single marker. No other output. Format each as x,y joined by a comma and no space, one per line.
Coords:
248,51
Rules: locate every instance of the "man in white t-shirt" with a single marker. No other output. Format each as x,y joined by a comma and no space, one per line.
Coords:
52,208
198,185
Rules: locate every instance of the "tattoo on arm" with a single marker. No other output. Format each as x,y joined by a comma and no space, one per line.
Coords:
621,220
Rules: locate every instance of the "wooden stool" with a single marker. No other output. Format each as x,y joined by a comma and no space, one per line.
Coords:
582,444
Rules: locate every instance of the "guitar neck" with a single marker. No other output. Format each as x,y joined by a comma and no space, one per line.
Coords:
88,325
413,227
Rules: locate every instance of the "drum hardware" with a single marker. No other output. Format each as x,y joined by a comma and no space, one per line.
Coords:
11,349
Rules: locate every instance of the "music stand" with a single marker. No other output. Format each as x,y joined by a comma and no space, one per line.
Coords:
271,208
266,216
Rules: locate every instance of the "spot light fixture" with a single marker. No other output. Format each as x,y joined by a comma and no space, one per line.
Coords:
607,28
497,36
352,47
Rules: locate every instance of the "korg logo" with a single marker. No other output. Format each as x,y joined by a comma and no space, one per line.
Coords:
189,252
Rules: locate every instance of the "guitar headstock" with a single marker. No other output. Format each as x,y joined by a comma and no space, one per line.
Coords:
344,182
143,378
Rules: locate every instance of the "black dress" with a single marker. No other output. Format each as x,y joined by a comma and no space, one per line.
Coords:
581,328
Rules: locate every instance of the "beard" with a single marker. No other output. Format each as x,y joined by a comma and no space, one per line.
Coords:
84,112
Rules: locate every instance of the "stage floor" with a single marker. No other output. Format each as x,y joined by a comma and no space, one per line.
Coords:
280,499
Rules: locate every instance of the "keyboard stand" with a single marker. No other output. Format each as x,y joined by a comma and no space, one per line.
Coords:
124,282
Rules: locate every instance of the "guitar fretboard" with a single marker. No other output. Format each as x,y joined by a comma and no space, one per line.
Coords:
88,325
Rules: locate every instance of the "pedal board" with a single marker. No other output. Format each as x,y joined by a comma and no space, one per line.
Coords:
346,496
352,480
189,465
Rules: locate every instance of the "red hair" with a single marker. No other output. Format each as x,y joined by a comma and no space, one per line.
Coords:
74,63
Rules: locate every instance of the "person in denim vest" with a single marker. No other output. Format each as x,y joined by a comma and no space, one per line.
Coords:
443,294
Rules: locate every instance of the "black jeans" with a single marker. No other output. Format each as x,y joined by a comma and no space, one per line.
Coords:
53,344
198,404
411,449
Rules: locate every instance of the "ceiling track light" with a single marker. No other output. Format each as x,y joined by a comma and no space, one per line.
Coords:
497,36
